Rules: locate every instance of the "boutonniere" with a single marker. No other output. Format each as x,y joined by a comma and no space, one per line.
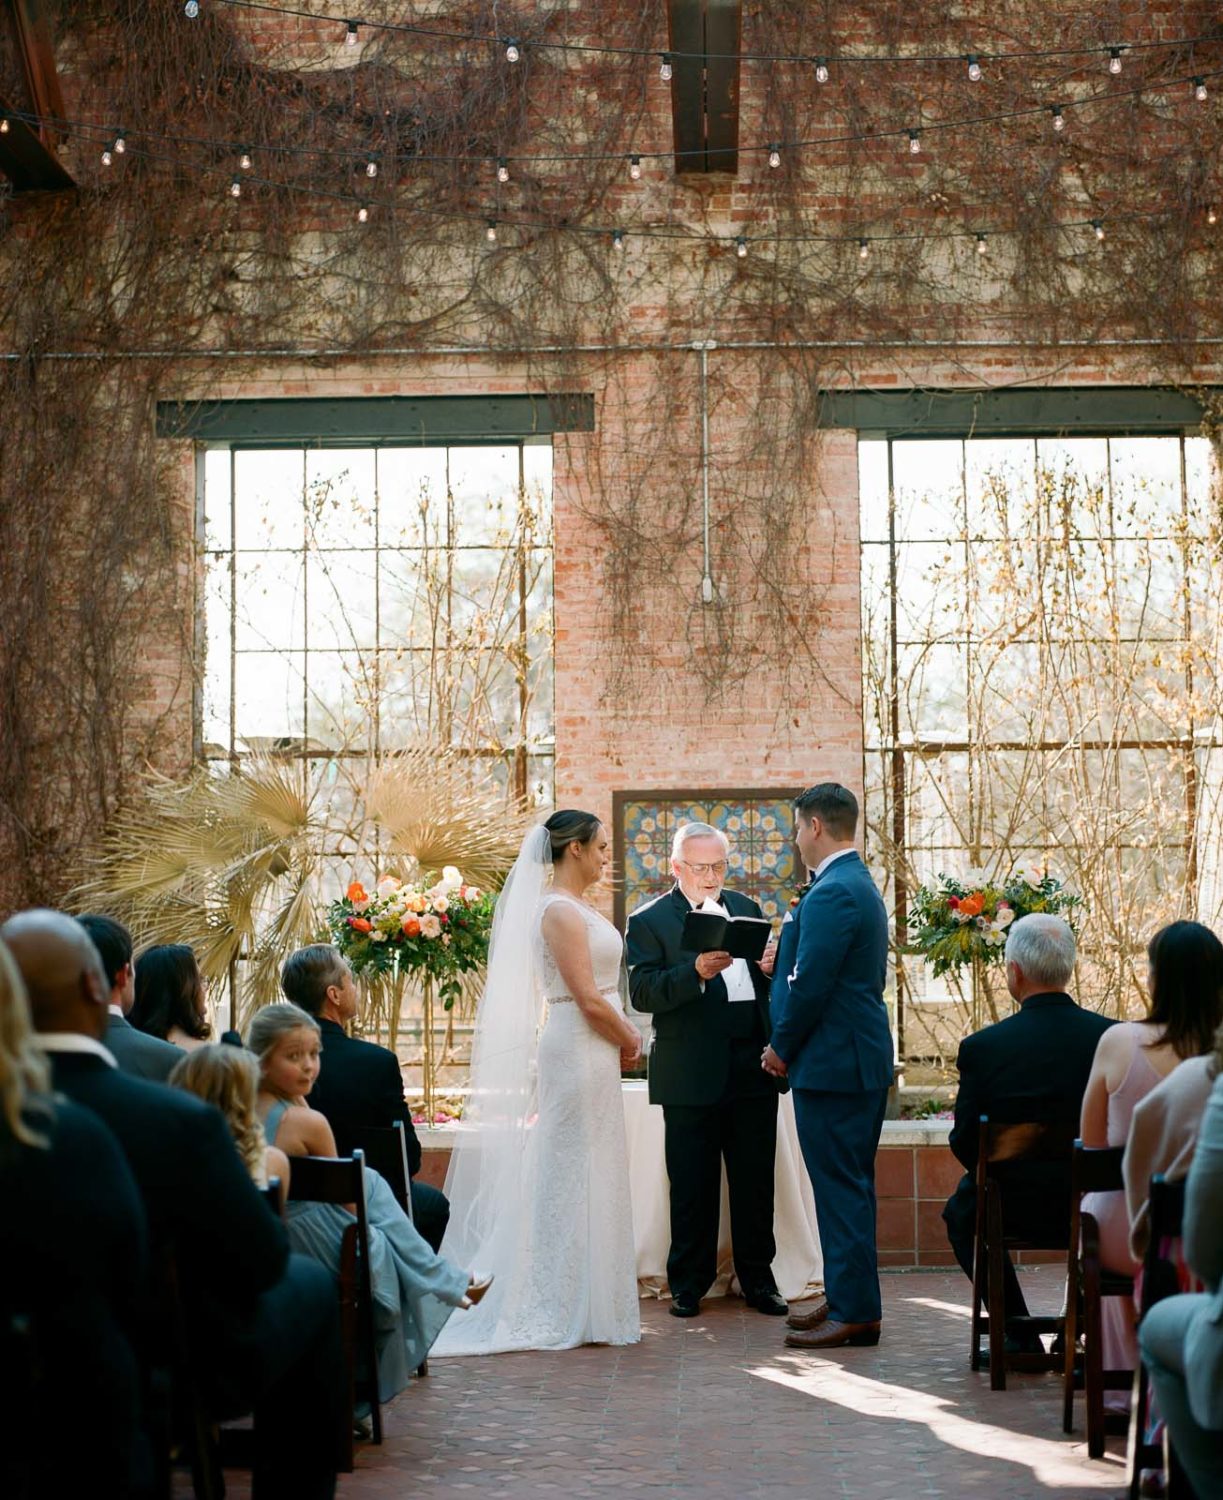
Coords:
800,893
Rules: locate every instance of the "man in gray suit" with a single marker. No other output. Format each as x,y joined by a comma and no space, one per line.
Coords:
136,1053
1182,1337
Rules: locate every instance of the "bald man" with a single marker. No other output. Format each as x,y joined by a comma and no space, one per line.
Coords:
263,1325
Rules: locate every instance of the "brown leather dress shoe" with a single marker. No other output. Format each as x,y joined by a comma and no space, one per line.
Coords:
832,1335
812,1318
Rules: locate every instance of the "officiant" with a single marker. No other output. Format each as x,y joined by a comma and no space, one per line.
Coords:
711,1019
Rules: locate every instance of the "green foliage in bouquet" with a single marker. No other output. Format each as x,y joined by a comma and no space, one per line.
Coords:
956,921
435,931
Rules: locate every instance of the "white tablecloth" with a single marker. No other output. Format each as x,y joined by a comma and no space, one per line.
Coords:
799,1267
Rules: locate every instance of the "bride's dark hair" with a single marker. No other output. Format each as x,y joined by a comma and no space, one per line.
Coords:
568,826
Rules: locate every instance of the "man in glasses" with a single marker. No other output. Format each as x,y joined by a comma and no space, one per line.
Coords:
711,1020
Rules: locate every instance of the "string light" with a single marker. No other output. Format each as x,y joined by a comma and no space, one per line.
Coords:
244,161
503,169
490,232
821,70
741,247
191,9
120,144
350,34
371,165
634,168
617,239
914,142
1199,90
1099,228
864,249
982,247
1212,216
4,125
665,70
107,156
974,69
363,214
1114,60
235,188
774,156
1059,119
512,50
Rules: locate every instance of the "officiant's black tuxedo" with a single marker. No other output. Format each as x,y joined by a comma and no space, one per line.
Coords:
717,1102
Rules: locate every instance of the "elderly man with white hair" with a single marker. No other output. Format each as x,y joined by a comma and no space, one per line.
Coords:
1032,1066
711,1021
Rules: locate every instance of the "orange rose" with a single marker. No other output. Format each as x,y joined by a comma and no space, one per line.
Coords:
356,892
359,924
411,926
971,906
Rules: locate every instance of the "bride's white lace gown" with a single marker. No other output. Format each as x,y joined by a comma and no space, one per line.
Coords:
573,1276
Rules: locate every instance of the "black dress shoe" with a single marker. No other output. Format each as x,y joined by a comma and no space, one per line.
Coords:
770,1302
685,1305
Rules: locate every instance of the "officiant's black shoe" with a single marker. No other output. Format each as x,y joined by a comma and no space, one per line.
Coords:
770,1302
685,1305
832,1335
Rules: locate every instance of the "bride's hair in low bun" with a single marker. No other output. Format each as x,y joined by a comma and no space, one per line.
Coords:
568,826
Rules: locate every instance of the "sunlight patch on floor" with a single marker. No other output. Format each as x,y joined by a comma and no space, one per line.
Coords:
958,1309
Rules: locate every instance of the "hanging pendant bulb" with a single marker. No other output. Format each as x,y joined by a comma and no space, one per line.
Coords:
741,247
1199,90
503,169
1212,216
974,69
245,161
235,188
1059,119
363,214
191,9
513,52
4,125
1114,60
634,168
914,142
490,232
350,34
821,70
665,70
981,245
1099,228
774,156
864,249
107,156
617,239
371,166
120,144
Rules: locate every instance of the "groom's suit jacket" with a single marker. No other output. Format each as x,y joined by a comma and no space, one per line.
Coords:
690,1058
830,1024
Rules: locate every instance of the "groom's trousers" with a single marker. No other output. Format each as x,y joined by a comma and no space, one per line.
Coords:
742,1128
839,1136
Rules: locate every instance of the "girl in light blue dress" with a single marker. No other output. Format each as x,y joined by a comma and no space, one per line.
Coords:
414,1290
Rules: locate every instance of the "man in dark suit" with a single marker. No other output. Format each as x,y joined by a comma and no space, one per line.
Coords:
263,1324
1032,1066
711,1017
832,1039
359,1084
137,1053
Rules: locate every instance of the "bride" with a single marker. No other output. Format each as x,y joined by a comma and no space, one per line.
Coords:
538,1182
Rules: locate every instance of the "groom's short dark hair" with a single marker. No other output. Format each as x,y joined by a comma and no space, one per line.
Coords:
309,973
833,804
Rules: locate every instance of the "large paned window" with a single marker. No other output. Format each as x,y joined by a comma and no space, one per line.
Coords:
1041,686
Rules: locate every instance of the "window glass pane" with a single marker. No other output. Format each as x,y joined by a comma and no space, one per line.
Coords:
340,497
342,593
268,508
341,700
1146,477
1000,485
537,483
929,590
928,479
873,490
269,692
218,532
1201,483
412,497
268,601
412,597
933,691
484,494
405,700
1073,485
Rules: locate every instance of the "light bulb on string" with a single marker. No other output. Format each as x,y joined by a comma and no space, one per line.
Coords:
371,166
741,247
120,144
107,156
235,188
1059,119
1098,227
503,169
490,232
774,156
665,70
864,249
914,142
634,168
1199,90
350,34
617,239
245,161
821,70
1212,215
512,50
974,68
1114,60
982,247
191,9
363,214
4,125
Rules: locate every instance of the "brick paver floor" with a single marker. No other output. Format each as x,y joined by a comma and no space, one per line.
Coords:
717,1407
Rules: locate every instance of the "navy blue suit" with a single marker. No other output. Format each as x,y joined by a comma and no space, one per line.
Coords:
830,1028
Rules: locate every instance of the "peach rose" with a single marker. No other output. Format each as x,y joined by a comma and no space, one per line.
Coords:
411,926
359,924
430,926
387,886
440,904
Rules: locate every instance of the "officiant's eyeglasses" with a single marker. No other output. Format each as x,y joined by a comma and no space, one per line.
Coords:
718,868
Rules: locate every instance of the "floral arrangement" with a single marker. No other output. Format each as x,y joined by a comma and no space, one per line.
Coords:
435,931
956,921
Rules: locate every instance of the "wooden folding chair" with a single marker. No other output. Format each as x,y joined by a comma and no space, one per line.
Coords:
1032,1142
341,1180
386,1152
190,1420
1087,1283
1165,1211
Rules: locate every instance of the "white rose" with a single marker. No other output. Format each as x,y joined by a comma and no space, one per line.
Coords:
361,906
451,879
387,886
1005,916
430,927
377,937
440,903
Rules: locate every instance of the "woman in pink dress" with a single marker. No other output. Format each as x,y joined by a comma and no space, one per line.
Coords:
1185,983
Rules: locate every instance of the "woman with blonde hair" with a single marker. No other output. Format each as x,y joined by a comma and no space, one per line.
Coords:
229,1078
72,1267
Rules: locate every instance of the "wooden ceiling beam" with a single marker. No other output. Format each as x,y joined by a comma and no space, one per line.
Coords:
27,152
704,88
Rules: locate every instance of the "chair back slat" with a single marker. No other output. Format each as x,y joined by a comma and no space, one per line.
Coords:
1027,1141
1096,1170
1165,1212
327,1179
271,1196
386,1151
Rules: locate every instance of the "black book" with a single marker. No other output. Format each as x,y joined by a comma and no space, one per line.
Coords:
711,932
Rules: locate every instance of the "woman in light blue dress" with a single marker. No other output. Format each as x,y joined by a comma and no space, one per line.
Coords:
414,1290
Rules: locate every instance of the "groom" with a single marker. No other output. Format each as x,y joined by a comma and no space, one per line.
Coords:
711,1017
832,1039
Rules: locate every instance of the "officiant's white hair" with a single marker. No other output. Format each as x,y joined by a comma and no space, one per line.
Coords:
687,831
1043,946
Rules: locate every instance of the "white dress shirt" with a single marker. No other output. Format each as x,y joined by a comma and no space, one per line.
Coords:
836,854
74,1041
737,978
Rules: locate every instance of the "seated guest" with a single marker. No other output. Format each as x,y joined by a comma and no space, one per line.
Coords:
1182,1337
414,1289
170,1001
263,1325
73,1253
1185,984
135,1051
228,1077
1032,1066
360,1085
